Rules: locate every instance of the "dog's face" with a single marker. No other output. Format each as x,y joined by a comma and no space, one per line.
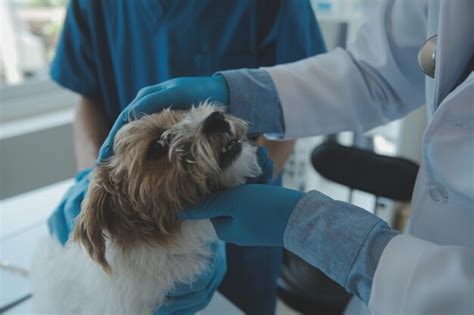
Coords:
161,163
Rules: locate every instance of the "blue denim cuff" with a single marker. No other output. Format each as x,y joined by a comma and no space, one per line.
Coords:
253,97
342,240
359,279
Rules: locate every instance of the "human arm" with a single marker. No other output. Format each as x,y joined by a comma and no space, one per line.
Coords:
75,67
294,25
393,273
352,246
342,240
286,31
375,81
90,130
349,244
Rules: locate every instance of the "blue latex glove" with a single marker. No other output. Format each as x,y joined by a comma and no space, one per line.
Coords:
183,300
266,165
189,298
250,214
61,222
179,93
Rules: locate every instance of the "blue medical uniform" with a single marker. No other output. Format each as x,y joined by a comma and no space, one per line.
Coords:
111,49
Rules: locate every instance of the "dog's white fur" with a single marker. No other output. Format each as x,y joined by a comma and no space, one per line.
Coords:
65,280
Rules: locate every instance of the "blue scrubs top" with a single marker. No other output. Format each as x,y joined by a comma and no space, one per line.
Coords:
111,49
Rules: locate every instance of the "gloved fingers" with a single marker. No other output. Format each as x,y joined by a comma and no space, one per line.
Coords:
187,300
61,222
83,173
191,308
106,150
72,207
266,166
212,207
195,301
68,205
267,172
197,307
217,261
181,290
224,227
57,224
152,102
262,154
149,90
176,97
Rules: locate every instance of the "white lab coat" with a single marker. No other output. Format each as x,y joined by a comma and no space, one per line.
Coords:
430,268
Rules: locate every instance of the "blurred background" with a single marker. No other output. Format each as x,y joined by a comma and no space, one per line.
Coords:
36,149
36,115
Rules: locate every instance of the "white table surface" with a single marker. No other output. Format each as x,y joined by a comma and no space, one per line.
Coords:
22,223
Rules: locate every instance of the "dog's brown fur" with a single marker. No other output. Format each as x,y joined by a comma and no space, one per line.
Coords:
136,198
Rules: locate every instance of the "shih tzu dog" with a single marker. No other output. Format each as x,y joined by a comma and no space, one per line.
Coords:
128,247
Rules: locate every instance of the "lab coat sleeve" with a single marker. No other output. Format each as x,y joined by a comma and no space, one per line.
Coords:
375,81
427,279
391,272
342,240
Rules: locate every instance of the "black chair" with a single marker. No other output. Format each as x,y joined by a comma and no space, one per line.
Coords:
305,288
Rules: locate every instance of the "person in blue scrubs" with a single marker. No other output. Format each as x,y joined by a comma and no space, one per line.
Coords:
111,49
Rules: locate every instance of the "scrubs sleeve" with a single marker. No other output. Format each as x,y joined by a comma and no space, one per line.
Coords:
297,33
289,34
342,240
74,65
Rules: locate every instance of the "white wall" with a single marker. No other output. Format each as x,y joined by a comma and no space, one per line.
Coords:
35,137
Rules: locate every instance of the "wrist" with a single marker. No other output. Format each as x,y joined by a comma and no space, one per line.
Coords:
292,222
248,88
289,200
221,89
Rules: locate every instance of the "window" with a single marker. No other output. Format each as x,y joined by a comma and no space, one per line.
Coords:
29,31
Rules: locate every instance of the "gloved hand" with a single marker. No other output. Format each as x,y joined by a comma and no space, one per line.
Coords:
248,215
189,298
266,165
179,93
61,222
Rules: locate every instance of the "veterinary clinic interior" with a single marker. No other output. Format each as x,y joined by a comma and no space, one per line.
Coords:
236,157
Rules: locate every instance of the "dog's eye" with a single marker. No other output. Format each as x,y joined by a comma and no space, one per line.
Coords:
158,149
231,145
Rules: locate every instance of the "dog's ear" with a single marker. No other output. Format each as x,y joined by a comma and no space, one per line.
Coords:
215,123
91,223
158,149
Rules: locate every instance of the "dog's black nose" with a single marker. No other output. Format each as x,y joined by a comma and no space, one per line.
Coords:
216,123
